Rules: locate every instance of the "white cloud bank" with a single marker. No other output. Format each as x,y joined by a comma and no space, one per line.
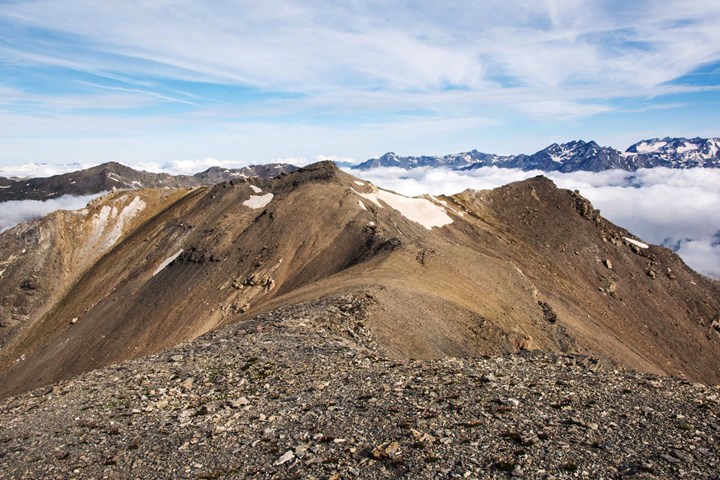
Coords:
18,211
34,170
674,208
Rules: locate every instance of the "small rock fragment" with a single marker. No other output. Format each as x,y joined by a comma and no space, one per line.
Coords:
386,450
240,402
488,378
286,457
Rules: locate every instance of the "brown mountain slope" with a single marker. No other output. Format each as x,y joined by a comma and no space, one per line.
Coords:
41,260
526,266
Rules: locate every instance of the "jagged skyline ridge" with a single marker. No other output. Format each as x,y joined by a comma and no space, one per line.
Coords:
576,155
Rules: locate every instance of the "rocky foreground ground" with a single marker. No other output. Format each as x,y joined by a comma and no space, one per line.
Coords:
304,393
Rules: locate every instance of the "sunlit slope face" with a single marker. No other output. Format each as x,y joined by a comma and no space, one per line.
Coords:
41,260
526,266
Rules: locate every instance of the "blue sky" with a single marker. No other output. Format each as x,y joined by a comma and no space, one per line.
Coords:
155,82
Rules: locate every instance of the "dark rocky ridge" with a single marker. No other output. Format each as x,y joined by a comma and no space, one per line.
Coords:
110,176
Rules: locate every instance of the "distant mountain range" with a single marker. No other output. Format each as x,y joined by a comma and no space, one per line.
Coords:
573,156
111,176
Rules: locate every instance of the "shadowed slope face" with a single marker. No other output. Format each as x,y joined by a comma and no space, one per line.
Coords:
526,266
618,299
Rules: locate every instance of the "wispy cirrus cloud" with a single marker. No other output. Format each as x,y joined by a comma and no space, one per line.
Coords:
307,45
535,68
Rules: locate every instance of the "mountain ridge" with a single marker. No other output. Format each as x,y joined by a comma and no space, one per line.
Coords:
576,155
113,175
526,266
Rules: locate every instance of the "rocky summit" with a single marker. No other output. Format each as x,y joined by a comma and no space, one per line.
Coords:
313,325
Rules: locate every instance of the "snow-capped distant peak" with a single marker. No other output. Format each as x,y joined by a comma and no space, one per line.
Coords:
575,155
648,146
560,153
686,147
676,152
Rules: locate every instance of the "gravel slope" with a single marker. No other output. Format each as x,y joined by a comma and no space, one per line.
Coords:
302,392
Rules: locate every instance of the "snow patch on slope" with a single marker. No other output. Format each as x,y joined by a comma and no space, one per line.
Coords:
99,222
127,213
445,205
645,147
687,147
419,210
107,232
563,154
258,201
256,189
636,243
167,262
